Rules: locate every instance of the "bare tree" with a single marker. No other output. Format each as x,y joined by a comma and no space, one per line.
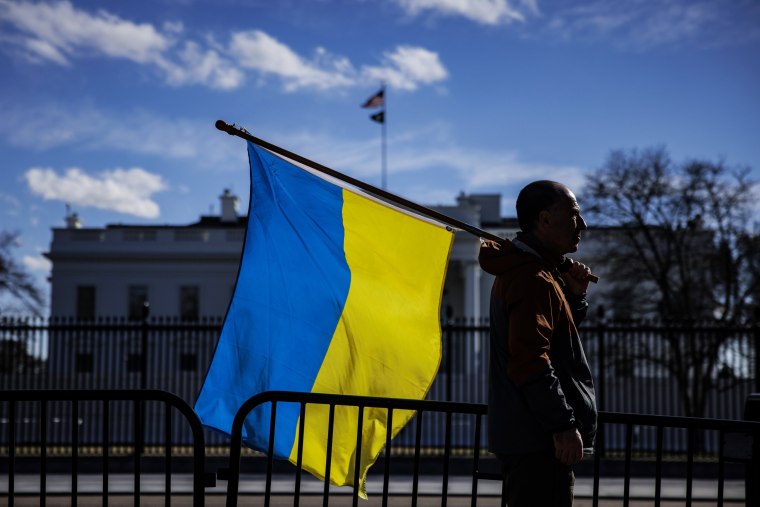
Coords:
15,358
682,237
16,284
680,248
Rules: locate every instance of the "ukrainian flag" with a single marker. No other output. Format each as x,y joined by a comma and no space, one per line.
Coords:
338,293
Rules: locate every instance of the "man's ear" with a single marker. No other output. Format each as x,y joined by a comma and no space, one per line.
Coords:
544,218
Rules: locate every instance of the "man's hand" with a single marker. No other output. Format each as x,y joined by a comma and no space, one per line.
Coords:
489,243
576,278
568,446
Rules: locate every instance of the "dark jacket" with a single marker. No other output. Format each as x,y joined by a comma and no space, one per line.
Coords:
540,382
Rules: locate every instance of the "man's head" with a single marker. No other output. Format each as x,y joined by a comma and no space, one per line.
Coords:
548,211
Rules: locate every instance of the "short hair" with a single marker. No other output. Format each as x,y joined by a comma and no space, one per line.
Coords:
534,198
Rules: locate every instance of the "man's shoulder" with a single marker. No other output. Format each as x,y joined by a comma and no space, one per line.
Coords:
522,268
533,279
533,269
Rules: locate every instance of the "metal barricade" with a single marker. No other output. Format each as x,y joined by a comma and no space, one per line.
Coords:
450,410
126,436
139,431
676,439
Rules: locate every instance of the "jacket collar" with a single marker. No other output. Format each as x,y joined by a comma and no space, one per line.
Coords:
529,244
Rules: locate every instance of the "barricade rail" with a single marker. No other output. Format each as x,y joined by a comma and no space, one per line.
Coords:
739,441
9,401
739,446
477,411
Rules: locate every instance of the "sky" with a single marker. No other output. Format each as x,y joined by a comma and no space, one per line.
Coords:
109,106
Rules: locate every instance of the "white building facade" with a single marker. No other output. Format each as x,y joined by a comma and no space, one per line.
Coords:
189,271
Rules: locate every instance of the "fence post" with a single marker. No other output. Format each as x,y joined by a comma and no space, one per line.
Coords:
752,488
602,369
449,359
143,371
600,384
144,346
756,353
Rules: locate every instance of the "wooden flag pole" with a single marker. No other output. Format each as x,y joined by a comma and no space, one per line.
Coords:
237,131
234,130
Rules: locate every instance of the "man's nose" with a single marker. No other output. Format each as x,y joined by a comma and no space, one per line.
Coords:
581,223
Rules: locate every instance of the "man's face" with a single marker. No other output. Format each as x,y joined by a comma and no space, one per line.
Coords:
563,233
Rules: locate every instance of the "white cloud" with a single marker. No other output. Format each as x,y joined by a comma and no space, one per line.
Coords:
483,169
127,191
644,24
11,204
44,50
432,149
37,263
404,68
82,126
488,12
672,23
203,66
263,53
59,33
407,67
630,24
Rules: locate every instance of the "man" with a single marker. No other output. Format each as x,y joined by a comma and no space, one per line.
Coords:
542,408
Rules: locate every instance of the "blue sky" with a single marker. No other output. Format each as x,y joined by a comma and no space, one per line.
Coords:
110,106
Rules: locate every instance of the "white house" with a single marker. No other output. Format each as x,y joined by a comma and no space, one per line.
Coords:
189,271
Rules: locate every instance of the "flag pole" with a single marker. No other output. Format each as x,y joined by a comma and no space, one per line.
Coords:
237,131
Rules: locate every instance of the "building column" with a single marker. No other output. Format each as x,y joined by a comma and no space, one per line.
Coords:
471,272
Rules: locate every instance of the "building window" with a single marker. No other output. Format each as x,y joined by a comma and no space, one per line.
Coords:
189,297
138,235
236,235
191,235
85,302
138,295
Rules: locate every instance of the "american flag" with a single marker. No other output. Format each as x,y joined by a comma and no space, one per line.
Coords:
376,100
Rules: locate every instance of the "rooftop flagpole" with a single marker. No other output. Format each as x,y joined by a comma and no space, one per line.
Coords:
384,147
235,130
379,100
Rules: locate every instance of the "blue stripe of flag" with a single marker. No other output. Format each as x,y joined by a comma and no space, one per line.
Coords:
292,285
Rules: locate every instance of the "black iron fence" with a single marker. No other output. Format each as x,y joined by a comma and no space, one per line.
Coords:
705,370
105,353
738,455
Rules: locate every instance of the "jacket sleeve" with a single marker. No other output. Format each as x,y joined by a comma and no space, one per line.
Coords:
531,326
578,306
